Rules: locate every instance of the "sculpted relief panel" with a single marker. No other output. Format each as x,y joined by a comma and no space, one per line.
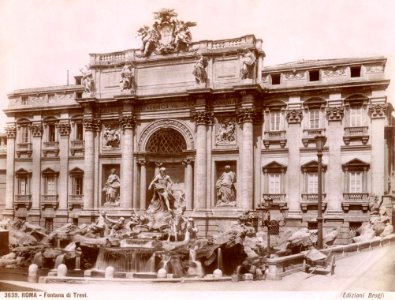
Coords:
225,132
111,136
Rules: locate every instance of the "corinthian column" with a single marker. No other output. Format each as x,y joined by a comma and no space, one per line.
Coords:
200,187
246,117
127,122
9,195
89,163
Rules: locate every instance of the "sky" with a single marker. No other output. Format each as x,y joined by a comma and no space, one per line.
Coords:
41,39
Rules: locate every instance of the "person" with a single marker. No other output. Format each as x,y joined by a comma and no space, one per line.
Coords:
112,186
248,60
226,191
162,184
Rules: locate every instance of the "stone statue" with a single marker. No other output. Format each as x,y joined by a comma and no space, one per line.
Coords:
111,187
163,195
88,81
127,77
226,191
248,60
226,133
112,137
199,70
167,35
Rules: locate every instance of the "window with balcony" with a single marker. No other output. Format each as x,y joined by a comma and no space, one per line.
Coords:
79,131
356,129
51,133
355,184
313,121
50,188
23,196
24,146
274,129
310,185
77,188
77,138
274,187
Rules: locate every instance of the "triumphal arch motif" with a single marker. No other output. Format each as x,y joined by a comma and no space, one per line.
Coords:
206,118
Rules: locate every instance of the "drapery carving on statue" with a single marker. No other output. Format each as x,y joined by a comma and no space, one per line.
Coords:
226,191
185,131
87,81
111,136
226,133
127,82
199,70
248,60
167,35
111,188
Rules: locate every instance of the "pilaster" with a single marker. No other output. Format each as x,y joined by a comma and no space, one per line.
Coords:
9,196
64,132
36,130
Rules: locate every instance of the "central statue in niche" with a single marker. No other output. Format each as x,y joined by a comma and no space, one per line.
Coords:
163,199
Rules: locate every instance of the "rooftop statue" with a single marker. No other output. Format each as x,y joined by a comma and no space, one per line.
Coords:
199,70
87,81
127,78
167,35
248,60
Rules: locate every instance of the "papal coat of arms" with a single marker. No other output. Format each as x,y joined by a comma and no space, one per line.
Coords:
167,35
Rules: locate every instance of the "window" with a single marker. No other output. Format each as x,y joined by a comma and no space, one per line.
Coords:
356,114
275,120
24,131
274,183
25,100
314,75
355,182
77,185
314,119
79,132
274,180
276,79
51,133
312,183
355,71
22,186
50,182
355,177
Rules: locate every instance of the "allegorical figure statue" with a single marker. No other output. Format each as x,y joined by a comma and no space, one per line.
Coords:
87,81
226,191
199,70
163,196
111,187
127,78
248,60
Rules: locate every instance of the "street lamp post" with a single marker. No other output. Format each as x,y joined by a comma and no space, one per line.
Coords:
266,221
320,142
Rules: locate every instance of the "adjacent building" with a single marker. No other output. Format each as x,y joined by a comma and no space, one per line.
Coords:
194,108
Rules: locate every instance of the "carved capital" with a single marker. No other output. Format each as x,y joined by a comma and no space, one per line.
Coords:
37,129
187,162
127,122
245,115
91,124
11,131
378,110
335,113
294,116
142,162
64,128
203,118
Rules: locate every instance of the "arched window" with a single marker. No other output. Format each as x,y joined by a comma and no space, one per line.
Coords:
166,141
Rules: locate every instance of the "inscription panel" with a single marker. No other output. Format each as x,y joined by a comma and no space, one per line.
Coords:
164,75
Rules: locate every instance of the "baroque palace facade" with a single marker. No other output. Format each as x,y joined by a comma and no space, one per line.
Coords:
194,108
